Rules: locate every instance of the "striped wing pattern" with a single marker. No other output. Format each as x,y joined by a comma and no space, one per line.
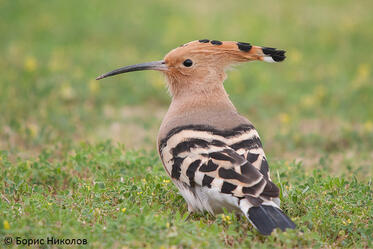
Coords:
233,162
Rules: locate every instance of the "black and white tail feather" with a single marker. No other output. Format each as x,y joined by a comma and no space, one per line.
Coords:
217,169
267,217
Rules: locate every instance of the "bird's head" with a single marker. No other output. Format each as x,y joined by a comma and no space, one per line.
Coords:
200,65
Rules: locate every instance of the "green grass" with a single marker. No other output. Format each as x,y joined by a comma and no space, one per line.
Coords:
116,198
314,113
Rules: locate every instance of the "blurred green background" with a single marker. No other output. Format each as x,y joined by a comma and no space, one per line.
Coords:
317,104
60,177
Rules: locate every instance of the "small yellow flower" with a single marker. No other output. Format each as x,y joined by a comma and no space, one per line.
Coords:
158,84
168,225
6,225
308,101
362,76
166,181
89,188
368,126
363,71
34,130
320,92
139,193
49,203
295,56
157,81
94,86
284,118
226,218
66,91
124,210
30,64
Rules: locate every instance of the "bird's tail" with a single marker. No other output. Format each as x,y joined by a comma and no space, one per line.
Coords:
266,217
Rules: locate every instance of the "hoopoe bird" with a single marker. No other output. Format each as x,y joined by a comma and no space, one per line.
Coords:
214,155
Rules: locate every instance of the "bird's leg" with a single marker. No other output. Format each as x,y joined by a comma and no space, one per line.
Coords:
189,216
238,216
190,213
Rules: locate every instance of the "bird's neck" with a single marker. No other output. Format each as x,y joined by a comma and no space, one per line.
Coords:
195,99
193,106
198,94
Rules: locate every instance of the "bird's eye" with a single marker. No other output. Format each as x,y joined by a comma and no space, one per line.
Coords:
188,63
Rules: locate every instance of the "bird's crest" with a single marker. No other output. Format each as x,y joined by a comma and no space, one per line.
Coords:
237,51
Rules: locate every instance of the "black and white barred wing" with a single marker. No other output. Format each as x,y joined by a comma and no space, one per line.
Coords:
230,162
224,169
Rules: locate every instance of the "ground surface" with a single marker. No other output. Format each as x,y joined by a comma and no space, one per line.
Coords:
78,158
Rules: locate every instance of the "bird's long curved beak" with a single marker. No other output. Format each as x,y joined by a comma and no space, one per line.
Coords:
154,65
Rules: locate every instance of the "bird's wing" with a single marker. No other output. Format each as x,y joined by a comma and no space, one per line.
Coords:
232,162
